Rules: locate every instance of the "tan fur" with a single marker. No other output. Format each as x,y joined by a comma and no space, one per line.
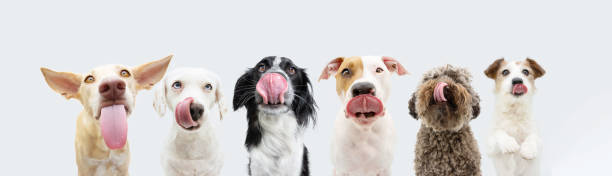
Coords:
355,65
445,143
93,157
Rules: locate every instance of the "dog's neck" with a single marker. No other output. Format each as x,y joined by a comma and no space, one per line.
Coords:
194,145
89,141
513,107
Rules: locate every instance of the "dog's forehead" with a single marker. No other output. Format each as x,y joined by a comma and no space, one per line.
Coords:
372,61
191,74
107,70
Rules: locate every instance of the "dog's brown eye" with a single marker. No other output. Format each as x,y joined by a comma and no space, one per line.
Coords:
379,70
124,73
505,72
262,68
291,70
346,72
208,87
89,79
177,85
526,72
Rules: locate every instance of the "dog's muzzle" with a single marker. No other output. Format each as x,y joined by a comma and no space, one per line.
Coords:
187,113
113,114
272,87
518,88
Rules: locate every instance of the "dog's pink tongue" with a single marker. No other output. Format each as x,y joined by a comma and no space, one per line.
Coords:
364,104
439,92
113,121
183,115
519,89
272,87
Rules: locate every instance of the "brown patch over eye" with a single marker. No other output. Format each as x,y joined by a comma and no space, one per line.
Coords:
125,73
352,69
89,79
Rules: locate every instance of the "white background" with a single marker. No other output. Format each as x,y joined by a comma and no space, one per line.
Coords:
572,40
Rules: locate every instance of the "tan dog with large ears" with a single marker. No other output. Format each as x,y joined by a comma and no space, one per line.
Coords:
107,94
364,135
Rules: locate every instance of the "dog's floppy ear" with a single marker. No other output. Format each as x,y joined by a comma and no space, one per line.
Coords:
220,99
150,73
241,91
394,65
64,83
538,71
412,107
491,72
159,101
331,68
475,106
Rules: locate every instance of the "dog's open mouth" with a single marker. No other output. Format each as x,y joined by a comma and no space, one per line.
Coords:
519,89
364,107
113,123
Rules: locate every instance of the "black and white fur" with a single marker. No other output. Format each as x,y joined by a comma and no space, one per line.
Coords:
275,133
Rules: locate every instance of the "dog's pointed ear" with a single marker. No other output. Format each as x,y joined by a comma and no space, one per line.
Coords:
491,72
331,68
64,83
159,101
220,99
394,65
538,71
148,74
412,107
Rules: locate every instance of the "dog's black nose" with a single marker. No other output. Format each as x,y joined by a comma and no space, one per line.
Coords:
112,89
363,88
196,110
517,81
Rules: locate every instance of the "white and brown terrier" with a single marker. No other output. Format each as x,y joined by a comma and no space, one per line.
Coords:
364,135
107,94
514,143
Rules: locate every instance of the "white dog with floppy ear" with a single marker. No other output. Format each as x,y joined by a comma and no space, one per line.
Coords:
194,96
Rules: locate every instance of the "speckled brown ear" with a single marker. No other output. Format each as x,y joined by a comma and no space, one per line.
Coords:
538,71
475,110
491,72
412,107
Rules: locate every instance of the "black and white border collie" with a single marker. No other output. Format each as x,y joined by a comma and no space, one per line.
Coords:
277,96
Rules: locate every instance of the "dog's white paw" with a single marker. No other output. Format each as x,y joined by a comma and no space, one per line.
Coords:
508,145
528,151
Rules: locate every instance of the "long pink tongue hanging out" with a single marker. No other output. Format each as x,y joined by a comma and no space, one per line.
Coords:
272,88
439,92
518,89
113,121
183,115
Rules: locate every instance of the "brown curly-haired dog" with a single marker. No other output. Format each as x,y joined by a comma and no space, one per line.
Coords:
446,102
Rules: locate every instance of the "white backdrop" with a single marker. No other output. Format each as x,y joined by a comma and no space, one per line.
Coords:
571,40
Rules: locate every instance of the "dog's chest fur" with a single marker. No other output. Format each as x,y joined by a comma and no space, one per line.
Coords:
281,148
446,152
363,151
193,154
514,117
92,155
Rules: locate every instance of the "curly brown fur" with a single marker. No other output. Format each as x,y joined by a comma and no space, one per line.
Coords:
445,143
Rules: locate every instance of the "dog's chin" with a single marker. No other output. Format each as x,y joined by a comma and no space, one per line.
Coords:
193,128
273,109
365,121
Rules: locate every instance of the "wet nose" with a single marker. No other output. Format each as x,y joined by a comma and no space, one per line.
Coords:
196,110
517,81
112,89
363,88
